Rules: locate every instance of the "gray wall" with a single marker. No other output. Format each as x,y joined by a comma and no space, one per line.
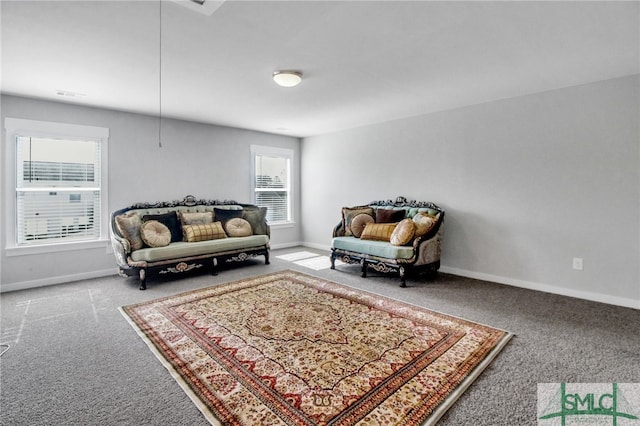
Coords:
527,183
203,160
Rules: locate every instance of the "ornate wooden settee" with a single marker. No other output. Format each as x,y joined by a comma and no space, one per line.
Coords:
180,236
390,236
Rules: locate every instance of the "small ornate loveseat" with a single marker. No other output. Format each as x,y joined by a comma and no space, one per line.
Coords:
180,236
390,236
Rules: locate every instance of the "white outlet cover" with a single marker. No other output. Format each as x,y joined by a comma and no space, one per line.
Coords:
577,263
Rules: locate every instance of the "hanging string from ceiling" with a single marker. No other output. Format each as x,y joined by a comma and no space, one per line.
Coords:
160,76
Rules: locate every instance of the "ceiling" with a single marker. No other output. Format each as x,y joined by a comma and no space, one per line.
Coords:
363,62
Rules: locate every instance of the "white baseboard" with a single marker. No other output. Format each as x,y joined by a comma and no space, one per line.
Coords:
23,285
285,245
317,246
595,297
586,295
56,280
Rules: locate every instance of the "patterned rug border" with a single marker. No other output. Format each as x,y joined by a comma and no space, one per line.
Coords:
436,414
208,414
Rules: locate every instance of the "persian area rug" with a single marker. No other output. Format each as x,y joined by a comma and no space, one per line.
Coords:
292,349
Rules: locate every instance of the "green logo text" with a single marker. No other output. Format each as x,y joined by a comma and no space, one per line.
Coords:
612,404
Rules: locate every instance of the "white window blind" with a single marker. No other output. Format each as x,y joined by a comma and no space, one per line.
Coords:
272,182
58,190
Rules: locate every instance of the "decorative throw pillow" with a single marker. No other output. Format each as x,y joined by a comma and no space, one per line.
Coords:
349,213
155,234
378,231
359,222
404,232
223,215
189,218
170,220
256,216
389,215
238,227
424,223
128,225
203,232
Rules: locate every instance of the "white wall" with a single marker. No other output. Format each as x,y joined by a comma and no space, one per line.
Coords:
210,162
527,183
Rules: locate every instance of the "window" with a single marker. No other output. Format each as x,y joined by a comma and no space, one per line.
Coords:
272,183
57,171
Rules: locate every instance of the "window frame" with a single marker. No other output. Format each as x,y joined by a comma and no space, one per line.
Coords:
288,154
15,127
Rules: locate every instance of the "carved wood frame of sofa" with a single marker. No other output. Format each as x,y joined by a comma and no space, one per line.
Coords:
421,255
179,257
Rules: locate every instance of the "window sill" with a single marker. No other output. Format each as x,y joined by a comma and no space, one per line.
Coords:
282,225
54,248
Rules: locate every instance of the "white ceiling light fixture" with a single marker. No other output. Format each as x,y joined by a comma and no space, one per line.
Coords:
288,78
70,94
206,7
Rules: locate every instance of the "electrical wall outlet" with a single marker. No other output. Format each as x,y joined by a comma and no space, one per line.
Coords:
577,263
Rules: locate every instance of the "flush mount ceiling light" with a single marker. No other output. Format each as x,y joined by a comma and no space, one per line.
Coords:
287,78
206,7
70,94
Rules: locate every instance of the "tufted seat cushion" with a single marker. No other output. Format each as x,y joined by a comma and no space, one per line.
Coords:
186,249
373,248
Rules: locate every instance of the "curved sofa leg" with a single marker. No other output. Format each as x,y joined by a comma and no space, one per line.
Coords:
332,257
403,281
143,279
266,258
364,268
433,272
214,266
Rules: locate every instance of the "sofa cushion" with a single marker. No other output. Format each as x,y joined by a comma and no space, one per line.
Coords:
373,248
424,223
155,234
389,215
378,231
238,227
359,222
256,216
129,225
224,215
203,232
195,218
403,233
200,248
170,220
349,213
